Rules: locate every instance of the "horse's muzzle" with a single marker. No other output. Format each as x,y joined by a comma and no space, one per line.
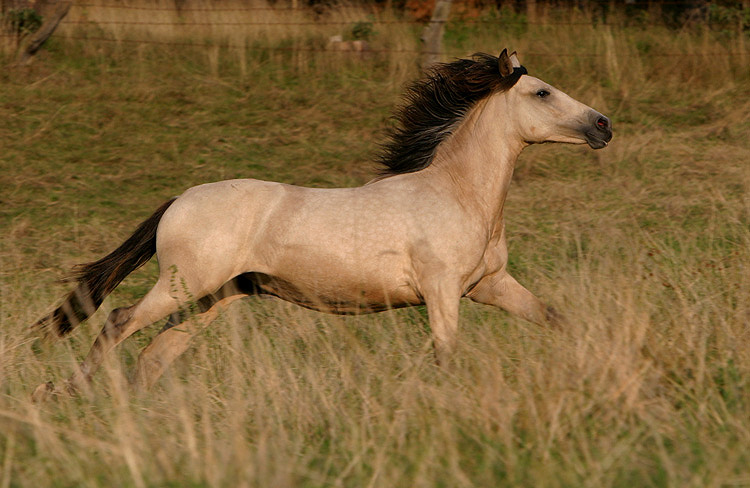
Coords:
599,131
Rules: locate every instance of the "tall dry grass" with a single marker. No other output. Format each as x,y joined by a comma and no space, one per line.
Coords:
643,246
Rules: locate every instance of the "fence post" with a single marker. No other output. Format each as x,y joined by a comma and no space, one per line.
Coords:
531,11
432,36
45,31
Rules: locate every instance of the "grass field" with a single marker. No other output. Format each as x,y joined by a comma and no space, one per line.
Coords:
644,246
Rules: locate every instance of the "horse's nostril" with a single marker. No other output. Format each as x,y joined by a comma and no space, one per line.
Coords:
602,123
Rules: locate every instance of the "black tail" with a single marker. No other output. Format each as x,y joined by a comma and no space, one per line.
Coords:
97,280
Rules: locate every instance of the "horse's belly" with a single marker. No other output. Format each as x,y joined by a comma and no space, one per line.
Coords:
334,285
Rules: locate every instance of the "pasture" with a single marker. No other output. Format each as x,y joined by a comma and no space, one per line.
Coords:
644,247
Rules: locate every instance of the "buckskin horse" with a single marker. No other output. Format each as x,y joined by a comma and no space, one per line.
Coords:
429,230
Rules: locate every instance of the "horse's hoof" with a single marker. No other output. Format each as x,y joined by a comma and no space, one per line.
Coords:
48,390
43,392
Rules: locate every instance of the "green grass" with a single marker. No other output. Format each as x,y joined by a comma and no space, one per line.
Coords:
644,246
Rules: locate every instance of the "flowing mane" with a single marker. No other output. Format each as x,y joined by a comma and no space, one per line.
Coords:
435,105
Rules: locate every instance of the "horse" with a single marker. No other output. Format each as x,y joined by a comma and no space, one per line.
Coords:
428,230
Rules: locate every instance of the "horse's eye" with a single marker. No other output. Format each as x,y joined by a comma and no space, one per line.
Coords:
542,93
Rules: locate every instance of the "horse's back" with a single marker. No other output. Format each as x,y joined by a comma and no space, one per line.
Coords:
335,243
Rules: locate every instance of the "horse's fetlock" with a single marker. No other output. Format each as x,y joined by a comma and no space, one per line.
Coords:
553,317
47,391
444,349
43,392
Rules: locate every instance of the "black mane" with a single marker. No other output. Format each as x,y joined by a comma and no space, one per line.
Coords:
435,105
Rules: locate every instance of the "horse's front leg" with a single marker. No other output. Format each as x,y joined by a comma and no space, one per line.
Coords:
502,290
442,310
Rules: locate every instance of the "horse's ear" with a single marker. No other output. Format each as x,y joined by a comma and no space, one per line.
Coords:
514,60
505,64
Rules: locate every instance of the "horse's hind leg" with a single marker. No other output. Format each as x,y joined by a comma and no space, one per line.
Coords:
121,323
175,338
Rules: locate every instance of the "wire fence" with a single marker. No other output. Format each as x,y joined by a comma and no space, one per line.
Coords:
308,49
83,27
685,4
378,22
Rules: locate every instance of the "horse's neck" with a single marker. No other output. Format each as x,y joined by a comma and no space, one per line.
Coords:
477,161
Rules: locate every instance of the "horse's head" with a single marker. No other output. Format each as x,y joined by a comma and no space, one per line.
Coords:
543,113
